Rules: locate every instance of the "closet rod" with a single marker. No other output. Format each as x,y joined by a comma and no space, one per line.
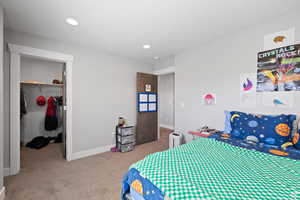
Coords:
40,83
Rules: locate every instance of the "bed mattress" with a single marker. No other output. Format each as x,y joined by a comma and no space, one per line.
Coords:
216,168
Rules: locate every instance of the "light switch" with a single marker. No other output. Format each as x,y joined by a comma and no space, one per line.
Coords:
182,104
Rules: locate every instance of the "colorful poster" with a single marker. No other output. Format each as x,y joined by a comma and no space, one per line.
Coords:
278,99
248,82
209,99
279,69
248,90
279,39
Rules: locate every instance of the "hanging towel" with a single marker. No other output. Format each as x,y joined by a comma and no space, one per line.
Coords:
51,121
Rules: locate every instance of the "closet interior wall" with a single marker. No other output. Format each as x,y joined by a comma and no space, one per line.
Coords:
166,100
33,122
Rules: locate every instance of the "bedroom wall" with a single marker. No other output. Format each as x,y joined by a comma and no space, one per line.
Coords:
40,70
103,89
1,101
163,63
166,100
216,67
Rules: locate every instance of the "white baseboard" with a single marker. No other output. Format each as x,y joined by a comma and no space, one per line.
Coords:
2,193
91,152
167,126
6,172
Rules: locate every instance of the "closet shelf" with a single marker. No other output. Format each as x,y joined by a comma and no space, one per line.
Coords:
40,83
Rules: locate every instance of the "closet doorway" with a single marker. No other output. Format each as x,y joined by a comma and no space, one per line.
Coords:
166,105
40,102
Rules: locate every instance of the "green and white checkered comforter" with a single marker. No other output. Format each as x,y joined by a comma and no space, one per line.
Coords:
210,169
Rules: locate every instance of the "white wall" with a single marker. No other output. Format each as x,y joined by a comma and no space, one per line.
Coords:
103,89
166,100
1,98
163,63
216,67
40,70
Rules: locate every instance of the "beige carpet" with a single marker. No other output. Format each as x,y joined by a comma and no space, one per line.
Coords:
46,175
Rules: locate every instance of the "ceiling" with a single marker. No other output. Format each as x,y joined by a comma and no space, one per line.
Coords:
122,26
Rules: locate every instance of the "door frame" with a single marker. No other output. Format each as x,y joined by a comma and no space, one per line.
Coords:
16,51
164,71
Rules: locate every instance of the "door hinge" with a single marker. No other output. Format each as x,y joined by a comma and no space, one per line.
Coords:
65,108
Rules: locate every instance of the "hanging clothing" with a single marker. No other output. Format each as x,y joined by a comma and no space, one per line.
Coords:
22,103
59,100
59,112
41,100
51,121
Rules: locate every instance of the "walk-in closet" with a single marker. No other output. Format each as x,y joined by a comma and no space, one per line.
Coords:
42,129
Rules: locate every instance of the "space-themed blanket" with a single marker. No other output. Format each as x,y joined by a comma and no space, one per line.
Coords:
211,169
141,188
289,151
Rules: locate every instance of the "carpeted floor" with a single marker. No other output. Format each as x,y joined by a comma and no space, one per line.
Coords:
45,175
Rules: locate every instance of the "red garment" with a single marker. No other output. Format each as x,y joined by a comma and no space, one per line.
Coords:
51,121
51,109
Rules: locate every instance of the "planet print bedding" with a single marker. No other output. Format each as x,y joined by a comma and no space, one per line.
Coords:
215,168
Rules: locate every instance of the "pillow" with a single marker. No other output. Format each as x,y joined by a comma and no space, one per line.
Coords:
296,140
276,129
295,126
269,129
227,128
243,124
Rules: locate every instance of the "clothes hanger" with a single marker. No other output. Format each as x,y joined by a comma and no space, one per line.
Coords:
40,88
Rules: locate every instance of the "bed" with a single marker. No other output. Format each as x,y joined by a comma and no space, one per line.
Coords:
218,167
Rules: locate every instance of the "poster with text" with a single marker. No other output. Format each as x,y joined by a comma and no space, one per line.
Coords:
248,90
279,69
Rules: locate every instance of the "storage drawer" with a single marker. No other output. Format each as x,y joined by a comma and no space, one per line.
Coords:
126,139
125,147
124,131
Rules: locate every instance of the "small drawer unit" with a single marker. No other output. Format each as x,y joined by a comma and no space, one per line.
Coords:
125,130
125,147
125,138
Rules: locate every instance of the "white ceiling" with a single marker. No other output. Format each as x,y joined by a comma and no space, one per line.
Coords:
123,26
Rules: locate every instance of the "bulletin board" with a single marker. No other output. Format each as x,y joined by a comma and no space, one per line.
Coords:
147,102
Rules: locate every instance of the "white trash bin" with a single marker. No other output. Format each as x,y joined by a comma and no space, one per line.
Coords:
175,139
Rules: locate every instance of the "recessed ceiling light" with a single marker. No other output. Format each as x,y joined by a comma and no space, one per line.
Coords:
146,46
156,58
72,21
